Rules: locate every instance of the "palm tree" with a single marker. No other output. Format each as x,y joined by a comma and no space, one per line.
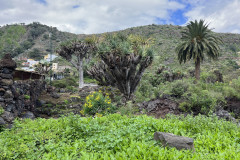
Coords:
198,40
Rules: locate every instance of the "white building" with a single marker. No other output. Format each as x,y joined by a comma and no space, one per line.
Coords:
55,66
48,57
32,62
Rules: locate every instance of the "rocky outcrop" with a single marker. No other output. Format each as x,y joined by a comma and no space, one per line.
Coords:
233,106
160,107
225,115
171,140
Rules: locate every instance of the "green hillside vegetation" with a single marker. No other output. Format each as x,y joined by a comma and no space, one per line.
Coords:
9,38
20,39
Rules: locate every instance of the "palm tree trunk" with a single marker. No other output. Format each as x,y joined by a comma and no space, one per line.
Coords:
197,69
80,70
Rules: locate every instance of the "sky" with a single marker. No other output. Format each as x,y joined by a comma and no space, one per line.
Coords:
98,16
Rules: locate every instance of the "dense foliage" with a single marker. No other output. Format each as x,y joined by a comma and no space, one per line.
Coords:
9,39
202,97
118,137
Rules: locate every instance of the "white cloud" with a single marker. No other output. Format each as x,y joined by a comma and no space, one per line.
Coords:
92,16
223,15
96,16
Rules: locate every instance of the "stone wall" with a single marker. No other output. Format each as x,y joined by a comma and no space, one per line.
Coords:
19,97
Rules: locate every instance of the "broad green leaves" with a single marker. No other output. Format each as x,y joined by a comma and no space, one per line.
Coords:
118,137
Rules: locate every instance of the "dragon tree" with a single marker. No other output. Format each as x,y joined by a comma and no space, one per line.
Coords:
75,51
123,60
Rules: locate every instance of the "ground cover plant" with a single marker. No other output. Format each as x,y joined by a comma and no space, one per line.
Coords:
118,137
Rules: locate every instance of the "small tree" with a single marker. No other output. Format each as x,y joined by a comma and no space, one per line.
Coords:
123,62
198,40
43,68
75,51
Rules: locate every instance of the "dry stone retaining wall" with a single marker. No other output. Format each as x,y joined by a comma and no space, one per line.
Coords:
19,97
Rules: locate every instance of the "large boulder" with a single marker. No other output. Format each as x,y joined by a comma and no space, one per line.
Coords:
171,140
55,95
2,91
6,76
29,115
8,94
225,115
2,122
6,82
7,116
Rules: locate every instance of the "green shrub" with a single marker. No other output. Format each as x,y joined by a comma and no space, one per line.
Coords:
113,93
236,85
72,88
209,76
145,91
185,107
97,104
26,97
202,100
59,84
71,81
128,109
66,102
66,82
179,88
49,105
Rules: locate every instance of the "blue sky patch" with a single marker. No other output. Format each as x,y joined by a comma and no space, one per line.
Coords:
178,17
42,2
76,6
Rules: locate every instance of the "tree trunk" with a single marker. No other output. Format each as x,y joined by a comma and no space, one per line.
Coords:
197,69
80,70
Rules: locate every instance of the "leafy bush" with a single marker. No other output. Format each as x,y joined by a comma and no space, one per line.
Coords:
66,102
59,84
145,91
118,137
128,109
202,99
179,88
236,85
113,93
72,88
185,107
63,83
26,97
207,77
97,104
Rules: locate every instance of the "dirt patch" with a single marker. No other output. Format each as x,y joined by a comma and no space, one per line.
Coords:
63,97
